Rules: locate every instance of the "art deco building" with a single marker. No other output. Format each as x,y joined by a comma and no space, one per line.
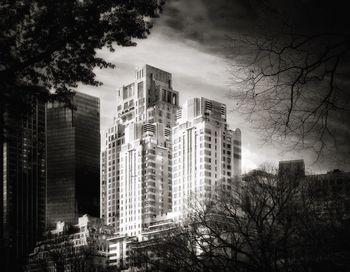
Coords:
73,154
23,186
139,151
159,158
206,154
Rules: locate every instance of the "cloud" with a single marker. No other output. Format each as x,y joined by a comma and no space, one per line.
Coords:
189,40
211,22
195,73
207,22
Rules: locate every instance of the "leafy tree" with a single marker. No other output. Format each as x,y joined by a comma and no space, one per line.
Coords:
47,47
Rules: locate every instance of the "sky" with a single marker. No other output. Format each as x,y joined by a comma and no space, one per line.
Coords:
190,40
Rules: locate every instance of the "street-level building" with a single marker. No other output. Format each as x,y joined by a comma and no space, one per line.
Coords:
73,247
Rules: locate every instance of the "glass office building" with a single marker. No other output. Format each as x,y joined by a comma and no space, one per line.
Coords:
23,188
73,154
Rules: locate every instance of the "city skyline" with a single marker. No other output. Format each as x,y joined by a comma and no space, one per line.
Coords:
174,135
191,40
159,160
153,142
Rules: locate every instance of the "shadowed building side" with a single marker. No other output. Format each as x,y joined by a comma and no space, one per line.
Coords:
23,184
73,146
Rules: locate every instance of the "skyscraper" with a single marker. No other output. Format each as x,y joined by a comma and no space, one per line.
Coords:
139,151
73,159
23,187
206,154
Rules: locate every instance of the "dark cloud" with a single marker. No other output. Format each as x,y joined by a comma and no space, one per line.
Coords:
207,22
210,22
230,15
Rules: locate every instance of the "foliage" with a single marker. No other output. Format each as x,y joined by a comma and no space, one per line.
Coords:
51,45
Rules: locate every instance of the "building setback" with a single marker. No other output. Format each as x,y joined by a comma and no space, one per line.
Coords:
23,185
73,159
139,151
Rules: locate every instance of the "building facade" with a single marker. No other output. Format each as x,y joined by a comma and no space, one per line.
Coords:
73,154
138,150
114,138
103,186
80,247
23,184
125,251
331,192
291,171
206,154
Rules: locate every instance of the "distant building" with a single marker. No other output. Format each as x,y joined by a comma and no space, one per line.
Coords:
291,171
73,159
80,247
332,192
23,186
329,192
206,154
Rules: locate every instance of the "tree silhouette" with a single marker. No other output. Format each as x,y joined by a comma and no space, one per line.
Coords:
263,224
291,76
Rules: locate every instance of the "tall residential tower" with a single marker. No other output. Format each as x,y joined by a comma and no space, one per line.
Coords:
206,154
138,150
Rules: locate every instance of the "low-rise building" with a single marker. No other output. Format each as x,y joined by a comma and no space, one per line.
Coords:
80,247
331,192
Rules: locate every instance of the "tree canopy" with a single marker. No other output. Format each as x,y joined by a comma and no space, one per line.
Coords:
51,45
47,47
